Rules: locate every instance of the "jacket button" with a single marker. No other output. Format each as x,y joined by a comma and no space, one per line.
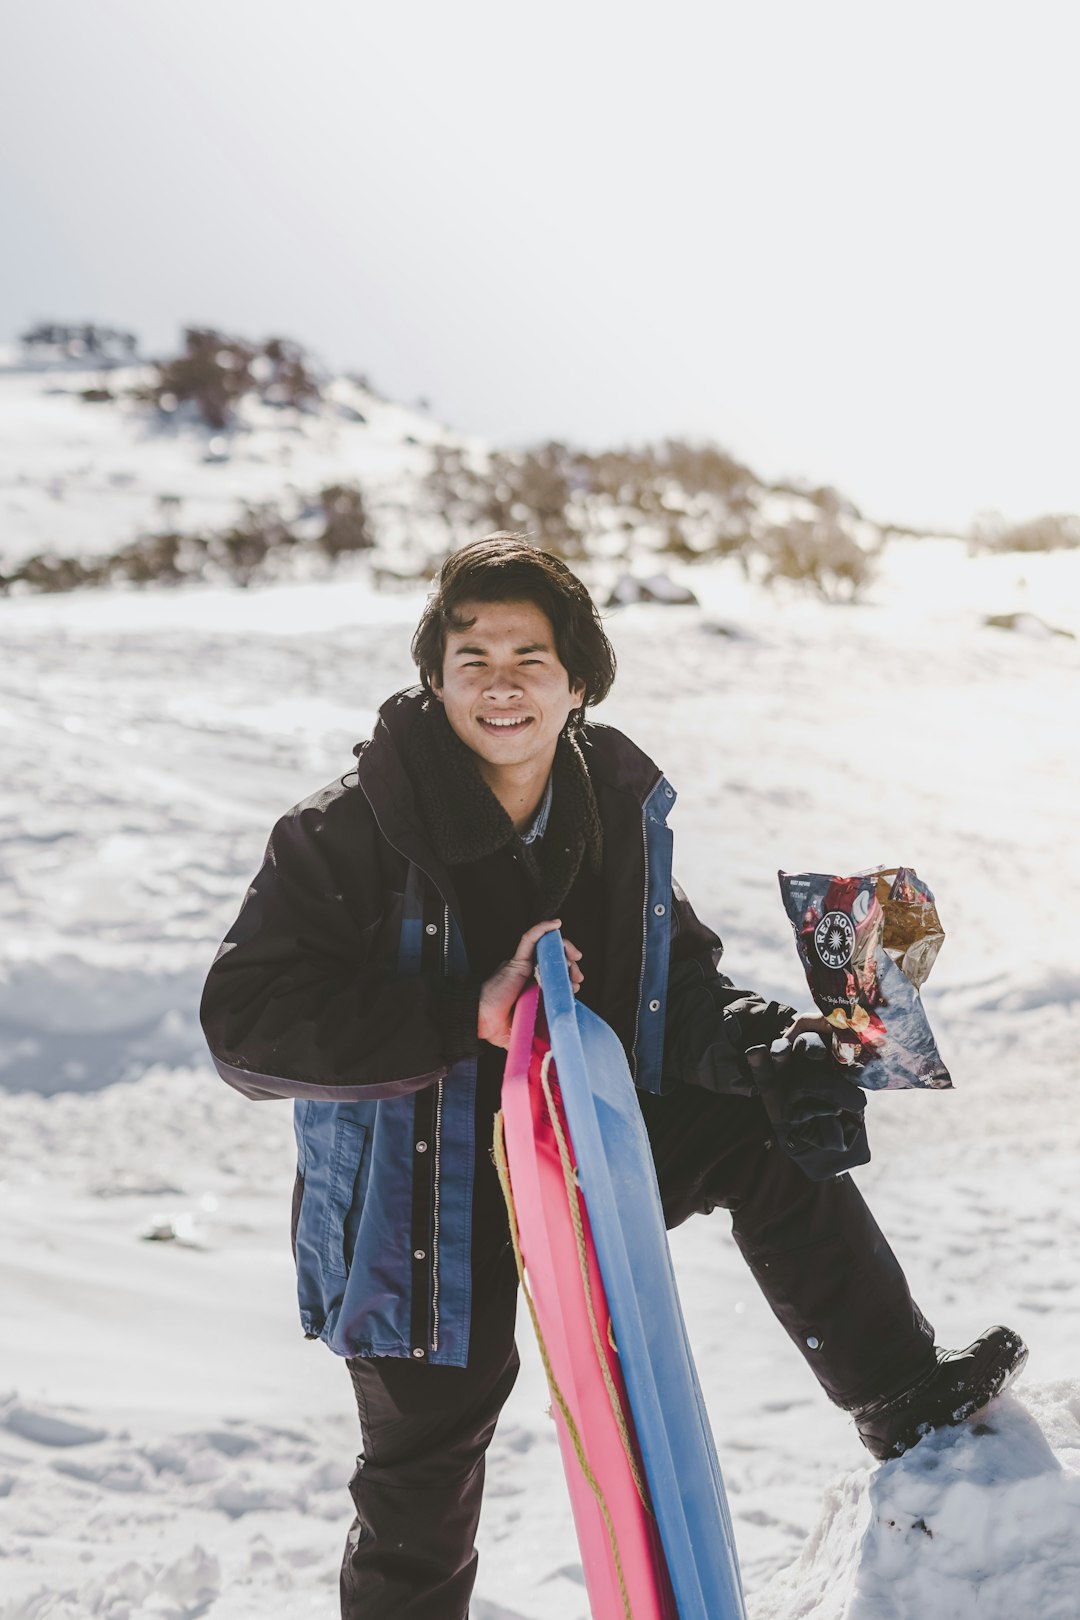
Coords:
654,1006
418,1353
659,910
812,1343
432,928
421,1147
419,1254
669,793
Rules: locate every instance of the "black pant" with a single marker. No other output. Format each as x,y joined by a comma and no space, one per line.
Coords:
818,1257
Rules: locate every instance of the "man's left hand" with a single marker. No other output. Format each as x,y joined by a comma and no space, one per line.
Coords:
809,1024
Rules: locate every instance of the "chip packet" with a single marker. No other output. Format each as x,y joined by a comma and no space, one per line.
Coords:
866,944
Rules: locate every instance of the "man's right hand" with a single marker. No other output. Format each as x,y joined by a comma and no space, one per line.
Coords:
499,993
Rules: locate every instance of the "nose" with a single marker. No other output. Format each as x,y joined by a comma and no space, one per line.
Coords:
502,684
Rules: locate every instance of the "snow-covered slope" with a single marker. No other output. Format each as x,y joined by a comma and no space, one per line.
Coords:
169,1444
94,477
82,478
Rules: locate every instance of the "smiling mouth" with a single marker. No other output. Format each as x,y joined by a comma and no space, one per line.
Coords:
506,726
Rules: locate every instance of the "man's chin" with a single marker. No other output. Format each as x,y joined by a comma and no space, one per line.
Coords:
503,753
503,743
519,750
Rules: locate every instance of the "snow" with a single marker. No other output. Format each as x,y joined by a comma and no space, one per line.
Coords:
976,1520
83,479
169,1443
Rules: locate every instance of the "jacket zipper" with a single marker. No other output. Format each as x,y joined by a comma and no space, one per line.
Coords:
644,920
438,1165
644,937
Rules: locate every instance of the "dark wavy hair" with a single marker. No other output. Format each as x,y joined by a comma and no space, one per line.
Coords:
507,567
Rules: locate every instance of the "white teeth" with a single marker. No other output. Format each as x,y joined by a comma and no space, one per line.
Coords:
488,721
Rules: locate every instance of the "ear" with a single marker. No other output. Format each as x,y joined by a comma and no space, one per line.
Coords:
577,692
435,685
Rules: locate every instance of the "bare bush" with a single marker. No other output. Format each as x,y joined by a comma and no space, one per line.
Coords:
215,372
252,547
564,499
820,553
1054,531
346,526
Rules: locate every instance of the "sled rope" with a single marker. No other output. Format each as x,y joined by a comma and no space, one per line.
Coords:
573,1200
559,1398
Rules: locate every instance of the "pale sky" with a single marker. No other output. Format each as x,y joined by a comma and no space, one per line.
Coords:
841,238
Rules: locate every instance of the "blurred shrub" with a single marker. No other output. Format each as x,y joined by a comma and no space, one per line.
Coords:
346,526
48,572
79,340
215,372
694,500
818,552
530,490
1055,531
258,544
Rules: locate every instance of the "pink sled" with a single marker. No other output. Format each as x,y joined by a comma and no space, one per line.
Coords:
551,1257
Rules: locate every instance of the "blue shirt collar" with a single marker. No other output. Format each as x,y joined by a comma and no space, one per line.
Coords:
538,825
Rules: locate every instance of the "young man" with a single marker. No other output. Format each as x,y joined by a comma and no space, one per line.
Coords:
372,974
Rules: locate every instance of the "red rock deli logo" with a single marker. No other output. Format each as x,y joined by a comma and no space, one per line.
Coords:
834,939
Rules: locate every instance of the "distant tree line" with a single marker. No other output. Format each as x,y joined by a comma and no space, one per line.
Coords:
81,340
676,500
258,544
1053,531
690,502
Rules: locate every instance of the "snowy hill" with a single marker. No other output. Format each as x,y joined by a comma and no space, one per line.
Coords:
106,471
169,1444
83,476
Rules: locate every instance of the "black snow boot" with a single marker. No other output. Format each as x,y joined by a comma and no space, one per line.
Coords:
961,1384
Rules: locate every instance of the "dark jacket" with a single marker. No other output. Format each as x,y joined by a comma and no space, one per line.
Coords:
344,984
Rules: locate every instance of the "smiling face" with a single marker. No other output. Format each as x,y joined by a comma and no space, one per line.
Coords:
505,691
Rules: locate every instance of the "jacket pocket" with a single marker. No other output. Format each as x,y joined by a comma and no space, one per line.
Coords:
346,1161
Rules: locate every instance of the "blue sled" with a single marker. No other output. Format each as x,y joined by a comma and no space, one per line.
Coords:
618,1182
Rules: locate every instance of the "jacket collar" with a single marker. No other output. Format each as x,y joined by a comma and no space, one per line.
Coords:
611,756
464,821
613,760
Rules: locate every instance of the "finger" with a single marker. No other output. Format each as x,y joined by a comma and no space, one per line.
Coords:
572,951
807,1023
523,958
527,943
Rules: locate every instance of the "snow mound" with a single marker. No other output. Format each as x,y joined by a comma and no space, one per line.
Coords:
180,1590
981,1522
46,1428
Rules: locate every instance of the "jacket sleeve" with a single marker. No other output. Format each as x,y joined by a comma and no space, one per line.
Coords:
295,1004
710,1024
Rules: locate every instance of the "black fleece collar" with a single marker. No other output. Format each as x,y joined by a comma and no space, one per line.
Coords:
466,822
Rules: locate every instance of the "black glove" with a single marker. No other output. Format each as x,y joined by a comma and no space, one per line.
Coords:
816,1113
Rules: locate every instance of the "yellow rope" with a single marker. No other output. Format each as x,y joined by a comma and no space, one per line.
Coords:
560,1400
572,1199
